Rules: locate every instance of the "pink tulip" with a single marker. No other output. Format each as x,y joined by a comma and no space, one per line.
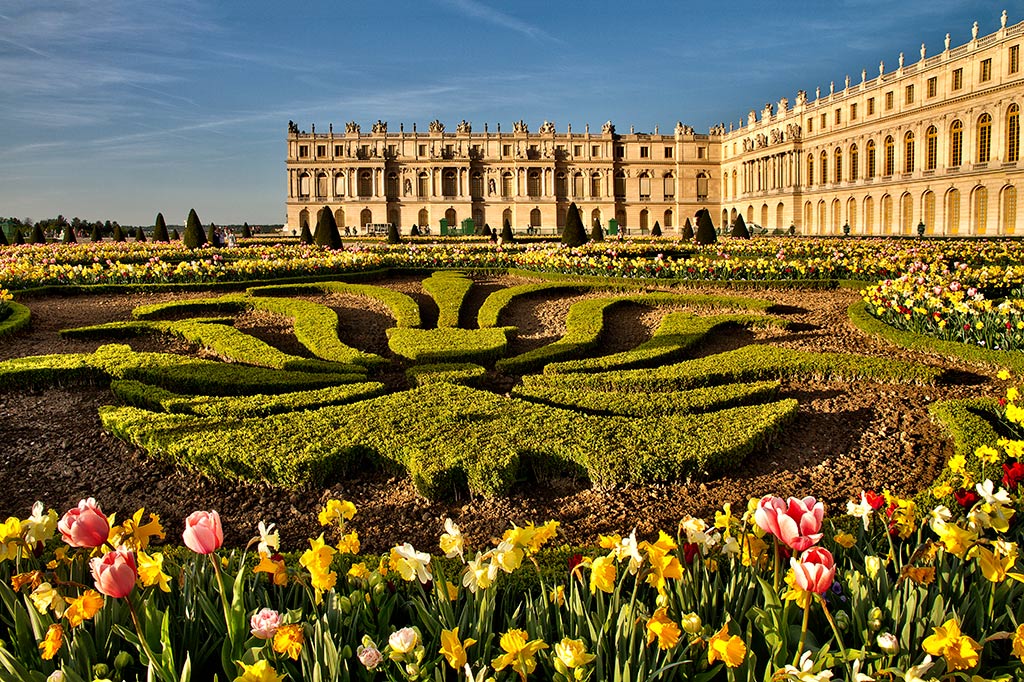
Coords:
264,623
797,523
115,573
815,570
85,525
203,533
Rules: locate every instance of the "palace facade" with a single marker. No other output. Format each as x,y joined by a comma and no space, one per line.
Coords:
934,142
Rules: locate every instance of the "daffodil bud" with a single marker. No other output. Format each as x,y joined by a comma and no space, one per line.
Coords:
888,643
101,670
842,621
872,564
345,604
691,623
123,660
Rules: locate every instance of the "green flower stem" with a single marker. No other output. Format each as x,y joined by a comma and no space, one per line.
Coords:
151,657
803,634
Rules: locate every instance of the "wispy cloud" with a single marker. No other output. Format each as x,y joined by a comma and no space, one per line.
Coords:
478,10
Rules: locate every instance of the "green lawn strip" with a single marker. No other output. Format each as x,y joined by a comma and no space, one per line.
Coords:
18,317
449,345
451,437
866,322
969,424
750,363
448,289
403,308
158,399
678,333
585,323
465,373
707,399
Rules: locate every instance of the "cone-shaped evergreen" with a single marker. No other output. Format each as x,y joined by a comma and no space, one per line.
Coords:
246,231
118,234
140,235
687,233
506,233
414,231
3,238
656,230
739,228
705,228
327,230
596,232
487,230
174,235
305,237
212,236
194,235
37,235
393,236
97,235
160,229
69,235
574,234
19,238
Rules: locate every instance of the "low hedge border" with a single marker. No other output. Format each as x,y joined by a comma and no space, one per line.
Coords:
749,363
229,303
585,324
40,371
680,281
18,317
969,424
495,303
678,333
480,440
403,308
868,323
465,373
157,399
449,344
707,399
448,288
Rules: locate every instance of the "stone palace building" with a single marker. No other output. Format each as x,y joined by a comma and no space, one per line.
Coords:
932,142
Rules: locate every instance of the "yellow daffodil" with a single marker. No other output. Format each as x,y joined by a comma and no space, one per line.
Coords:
956,463
260,671
1003,375
987,454
959,650
557,596
519,653
317,560
1018,642
359,571
452,543
722,647
919,575
453,649
845,540
51,644
995,566
573,653
663,565
83,607
45,597
451,590
410,564
288,640
151,571
602,574
336,512
349,543
136,534
275,567
662,629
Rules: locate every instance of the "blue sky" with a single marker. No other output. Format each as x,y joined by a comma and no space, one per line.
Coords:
118,109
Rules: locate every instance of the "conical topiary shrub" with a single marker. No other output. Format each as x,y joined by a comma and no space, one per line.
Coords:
705,228
3,238
507,237
327,230
487,230
574,234
194,235
656,230
37,235
305,236
69,235
739,228
174,235
687,233
118,234
19,238
213,236
597,232
246,231
414,231
140,235
160,229
97,234
393,236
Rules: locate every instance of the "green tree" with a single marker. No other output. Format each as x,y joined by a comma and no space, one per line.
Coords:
246,231
739,228
597,232
97,234
160,229
118,234
212,236
327,230
305,237
195,237
574,234
393,236
37,235
174,235
656,230
19,238
3,237
507,236
68,236
140,234
705,228
687,231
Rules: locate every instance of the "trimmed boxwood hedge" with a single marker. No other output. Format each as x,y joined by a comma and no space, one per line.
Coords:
448,288
157,399
229,303
473,439
448,345
17,318
39,371
866,322
678,333
744,364
496,302
969,424
465,373
706,399
403,308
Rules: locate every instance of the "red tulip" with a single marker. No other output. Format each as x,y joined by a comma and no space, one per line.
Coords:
797,523
203,533
115,573
85,525
815,570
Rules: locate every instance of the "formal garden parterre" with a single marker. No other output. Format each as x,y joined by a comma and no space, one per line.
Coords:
573,433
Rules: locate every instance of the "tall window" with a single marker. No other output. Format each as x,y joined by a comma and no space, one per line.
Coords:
984,138
620,185
321,184
907,208
887,214
871,106
810,168
1014,59
980,210
956,144
1010,210
890,156
986,70
851,213
450,183
933,86
839,165
931,148
423,184
869,215
888,100
645,186
702,186
908,152
595,185
929,212
822,220
910,94
476,185
365,184
958,79
533,183
735,177
392,186
953,212
854,163
1012,134
824,167
871,159
853,111
561,185
577,185
670,186
507,185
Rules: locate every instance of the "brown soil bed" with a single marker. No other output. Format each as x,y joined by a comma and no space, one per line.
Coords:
846,437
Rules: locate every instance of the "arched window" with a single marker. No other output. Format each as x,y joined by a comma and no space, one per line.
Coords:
780,215
928,200
890,156
953,211
423,218
620,217
984,138
561,216
869,215
620,185
931,148
839,165
595,185
595,217
507,184
321,184
365,184
808,217
506,217
644,220
734,179
1012,134
450,183
851,214
750,214
824,167
702,186
764,215
837,216
365,217
822,222
907,214
670,187
339,218
1009,206
533,183
304,215
423,186
980,210
854,163
871,160
577,185
908,152
535,218
810,169
956,145
476,185
645,186
887,214
561,185
450,218
304,185
668,218
339,185
392,186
